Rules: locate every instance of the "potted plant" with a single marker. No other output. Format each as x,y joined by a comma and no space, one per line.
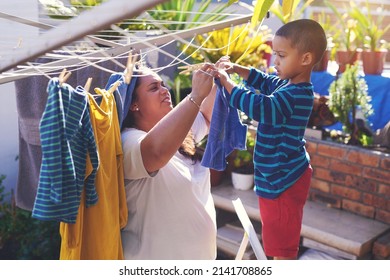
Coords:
348,95
347,39
330,29
374,46
289,10
242,164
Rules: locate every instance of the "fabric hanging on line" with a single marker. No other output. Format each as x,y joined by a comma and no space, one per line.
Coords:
66,137
124,92
227,132
96,234
31,98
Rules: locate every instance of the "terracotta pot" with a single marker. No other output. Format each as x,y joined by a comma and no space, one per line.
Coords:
373,62
322,65
344,58
216,177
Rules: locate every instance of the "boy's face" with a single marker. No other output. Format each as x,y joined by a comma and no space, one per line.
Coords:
288,60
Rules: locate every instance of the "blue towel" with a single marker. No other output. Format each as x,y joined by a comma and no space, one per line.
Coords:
125,92
227,132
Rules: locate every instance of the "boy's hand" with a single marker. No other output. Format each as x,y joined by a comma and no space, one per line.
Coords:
225,64
225,80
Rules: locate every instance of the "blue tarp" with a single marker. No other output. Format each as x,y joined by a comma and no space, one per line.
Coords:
378,89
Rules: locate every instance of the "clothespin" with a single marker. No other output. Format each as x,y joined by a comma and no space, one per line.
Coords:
88,84
64,75
114,87
190,68
131,60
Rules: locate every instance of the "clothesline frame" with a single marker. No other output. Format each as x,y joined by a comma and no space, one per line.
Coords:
83,25
28,54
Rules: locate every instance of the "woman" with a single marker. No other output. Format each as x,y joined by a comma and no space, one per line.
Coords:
171,210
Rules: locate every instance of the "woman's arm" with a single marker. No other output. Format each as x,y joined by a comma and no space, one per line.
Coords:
165,138
208,104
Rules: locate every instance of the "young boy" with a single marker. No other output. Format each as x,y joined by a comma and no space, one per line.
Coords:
282,108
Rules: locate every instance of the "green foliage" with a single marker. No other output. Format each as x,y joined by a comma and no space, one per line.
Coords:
57,10
369,25
289,10
347,36
23,237
180,82
345,94
188,13
241,43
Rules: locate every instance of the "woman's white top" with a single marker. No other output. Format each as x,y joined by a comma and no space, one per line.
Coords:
171,212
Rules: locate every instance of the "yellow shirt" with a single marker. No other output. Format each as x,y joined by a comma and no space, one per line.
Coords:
96,233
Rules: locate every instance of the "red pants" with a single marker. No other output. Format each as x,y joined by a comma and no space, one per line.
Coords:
282,218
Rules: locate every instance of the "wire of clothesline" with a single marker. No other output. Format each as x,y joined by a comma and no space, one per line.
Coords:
161,50
121,49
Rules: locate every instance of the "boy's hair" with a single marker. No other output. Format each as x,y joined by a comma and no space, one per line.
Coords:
306,35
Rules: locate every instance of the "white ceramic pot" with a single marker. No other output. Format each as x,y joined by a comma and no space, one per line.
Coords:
242,181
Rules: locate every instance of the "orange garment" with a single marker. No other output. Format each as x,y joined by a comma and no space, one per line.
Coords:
96,233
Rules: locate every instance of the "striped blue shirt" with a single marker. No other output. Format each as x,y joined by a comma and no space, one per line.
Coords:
66,138
283,111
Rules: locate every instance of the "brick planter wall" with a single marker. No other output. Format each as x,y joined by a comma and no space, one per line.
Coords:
351,178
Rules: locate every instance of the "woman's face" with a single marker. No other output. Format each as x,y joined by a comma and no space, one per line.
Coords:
153,98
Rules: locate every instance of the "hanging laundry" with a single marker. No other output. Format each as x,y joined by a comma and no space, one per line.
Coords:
226,132
124,99
66,137
31,99
96,233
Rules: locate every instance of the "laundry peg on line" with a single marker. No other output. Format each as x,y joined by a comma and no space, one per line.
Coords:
131,60
114,86
64,75
88,84
189,68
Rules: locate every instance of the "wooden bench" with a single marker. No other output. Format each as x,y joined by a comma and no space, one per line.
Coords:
333,230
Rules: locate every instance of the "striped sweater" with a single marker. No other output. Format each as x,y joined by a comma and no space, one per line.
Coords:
66,140
282,110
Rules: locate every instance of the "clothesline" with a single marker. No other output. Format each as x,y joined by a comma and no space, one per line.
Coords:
120,50
75,59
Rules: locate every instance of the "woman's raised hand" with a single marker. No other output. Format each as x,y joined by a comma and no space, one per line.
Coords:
202,80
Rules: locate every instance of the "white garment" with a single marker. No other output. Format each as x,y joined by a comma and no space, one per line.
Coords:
171,213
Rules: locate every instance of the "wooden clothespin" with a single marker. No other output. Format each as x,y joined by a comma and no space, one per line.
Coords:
88,84
64,75
114,87
131,60
190,68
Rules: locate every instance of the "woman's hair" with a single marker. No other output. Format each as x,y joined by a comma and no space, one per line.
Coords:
306,35
187,148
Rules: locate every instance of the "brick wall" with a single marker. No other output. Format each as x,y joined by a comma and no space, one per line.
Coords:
351,178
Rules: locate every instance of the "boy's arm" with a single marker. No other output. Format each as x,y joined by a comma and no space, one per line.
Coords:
224,63
242,71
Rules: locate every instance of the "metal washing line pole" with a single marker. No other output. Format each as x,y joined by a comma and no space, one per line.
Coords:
87,23
119,49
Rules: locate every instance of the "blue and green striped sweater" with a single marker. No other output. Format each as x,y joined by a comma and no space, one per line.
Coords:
66,138
283,111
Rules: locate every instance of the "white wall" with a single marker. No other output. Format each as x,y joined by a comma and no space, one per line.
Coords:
10,35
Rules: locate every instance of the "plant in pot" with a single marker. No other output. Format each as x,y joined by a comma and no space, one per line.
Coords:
330,29
347,39
289,10
242,164
351,105
374,46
